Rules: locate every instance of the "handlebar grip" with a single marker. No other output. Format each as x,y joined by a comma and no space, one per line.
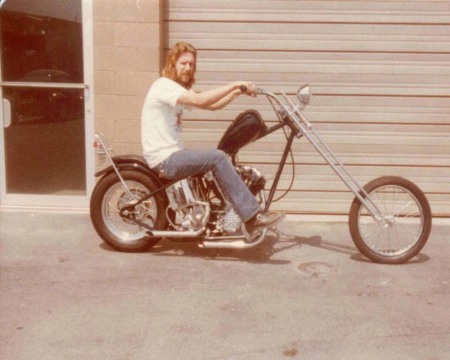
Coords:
243,88
259,91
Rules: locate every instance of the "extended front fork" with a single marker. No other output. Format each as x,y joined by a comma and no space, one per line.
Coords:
338,167
307,130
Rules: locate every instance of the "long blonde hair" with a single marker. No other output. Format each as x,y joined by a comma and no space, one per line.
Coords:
172,57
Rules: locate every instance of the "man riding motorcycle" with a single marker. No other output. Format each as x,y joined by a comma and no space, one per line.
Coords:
162,140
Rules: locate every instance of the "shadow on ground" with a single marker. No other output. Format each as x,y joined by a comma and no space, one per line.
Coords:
276,242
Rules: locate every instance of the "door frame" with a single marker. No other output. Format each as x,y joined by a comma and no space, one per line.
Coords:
71,203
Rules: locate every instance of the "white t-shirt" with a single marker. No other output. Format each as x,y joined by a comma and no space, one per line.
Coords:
161,121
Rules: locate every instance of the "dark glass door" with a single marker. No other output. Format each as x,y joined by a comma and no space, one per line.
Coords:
43,98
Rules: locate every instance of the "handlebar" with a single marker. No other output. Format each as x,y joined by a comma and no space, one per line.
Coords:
288,108
258,91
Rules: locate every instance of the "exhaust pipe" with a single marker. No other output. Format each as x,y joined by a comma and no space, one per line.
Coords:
176,234
237,244
226,244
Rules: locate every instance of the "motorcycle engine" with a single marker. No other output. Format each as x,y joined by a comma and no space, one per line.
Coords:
188,206
231,221
255,181
252,177
189,212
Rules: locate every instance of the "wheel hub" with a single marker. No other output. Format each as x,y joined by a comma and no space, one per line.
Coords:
388,220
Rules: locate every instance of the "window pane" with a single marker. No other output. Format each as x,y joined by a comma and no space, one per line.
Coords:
44,144
37,36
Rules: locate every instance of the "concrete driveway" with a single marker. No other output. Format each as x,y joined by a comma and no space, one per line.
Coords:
65,295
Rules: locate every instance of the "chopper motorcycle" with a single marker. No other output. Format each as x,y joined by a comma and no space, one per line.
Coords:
132,208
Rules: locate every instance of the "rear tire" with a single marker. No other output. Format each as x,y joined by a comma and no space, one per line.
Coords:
406,225
109,196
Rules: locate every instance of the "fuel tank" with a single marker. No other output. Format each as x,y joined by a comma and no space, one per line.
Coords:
246,128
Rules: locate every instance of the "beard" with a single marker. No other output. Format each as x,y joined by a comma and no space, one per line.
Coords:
185,79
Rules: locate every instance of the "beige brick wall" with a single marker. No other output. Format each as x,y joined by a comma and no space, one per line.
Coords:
127,53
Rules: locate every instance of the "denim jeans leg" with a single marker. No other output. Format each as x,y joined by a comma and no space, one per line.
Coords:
185,163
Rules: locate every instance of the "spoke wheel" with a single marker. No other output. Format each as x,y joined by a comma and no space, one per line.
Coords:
122,233
116,198
405,223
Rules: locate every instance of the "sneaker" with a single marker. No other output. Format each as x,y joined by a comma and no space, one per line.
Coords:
262,220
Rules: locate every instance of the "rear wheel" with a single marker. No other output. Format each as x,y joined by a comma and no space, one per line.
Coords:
110,196
405,225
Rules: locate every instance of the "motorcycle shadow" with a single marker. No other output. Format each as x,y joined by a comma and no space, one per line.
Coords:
276,242
289,241
259,254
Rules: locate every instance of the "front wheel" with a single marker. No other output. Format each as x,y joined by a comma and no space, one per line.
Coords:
109,196
404,226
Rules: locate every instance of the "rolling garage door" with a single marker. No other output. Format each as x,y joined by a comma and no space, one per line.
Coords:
379,72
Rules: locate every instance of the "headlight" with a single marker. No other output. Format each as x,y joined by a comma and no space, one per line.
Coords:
304,95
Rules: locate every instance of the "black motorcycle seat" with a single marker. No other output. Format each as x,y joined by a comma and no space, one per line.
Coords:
139,160
134,159
124,159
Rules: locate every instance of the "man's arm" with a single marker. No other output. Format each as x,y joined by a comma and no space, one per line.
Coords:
214,99
224,101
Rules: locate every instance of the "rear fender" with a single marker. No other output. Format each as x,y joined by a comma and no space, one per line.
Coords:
133,163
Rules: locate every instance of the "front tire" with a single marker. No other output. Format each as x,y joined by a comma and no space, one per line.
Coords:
109,196
405,225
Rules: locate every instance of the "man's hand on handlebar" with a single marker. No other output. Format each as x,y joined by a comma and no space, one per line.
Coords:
248,88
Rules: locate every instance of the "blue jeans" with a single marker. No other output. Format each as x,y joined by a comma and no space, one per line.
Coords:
185,163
